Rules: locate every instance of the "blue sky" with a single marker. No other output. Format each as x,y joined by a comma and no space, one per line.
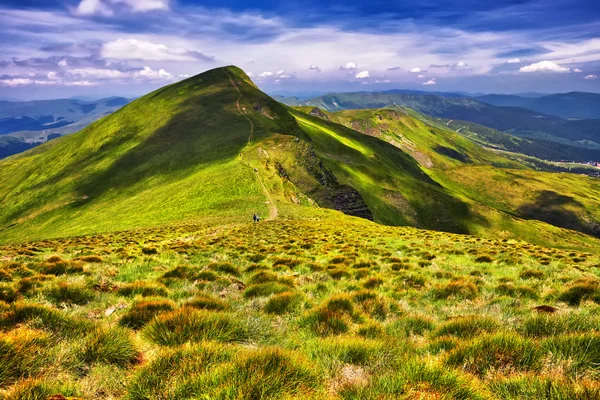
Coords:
96,48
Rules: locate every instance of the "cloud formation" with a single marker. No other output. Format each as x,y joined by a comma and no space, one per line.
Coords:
515,60
416,70
544,66
133,49
591,77
362,75
348,66
106,7
430,82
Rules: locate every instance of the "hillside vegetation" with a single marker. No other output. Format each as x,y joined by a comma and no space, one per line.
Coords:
333,307
518,121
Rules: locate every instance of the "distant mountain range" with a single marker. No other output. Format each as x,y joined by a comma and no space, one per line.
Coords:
565,105
519,121
26,124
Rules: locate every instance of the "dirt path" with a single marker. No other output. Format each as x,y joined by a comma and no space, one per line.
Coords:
242,111
272,206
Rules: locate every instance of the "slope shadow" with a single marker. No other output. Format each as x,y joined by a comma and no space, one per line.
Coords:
549,207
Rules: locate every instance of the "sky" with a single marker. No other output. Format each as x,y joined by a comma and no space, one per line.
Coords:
98,48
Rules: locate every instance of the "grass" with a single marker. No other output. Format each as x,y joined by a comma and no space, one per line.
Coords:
140,326
193,300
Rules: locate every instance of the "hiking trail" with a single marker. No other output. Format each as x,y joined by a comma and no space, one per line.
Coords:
272,206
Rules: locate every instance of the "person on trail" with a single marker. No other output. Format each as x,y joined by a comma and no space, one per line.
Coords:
255,218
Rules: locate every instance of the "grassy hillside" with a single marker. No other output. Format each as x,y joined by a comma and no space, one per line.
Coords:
328,308
170,155
555,149
502,196
215,148
514,120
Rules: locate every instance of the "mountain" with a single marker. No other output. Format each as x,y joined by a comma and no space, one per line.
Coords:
517,121
580,105
216,148
30,123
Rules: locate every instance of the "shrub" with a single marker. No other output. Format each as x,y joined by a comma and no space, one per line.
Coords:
69,293
203,301
284,302
22,354
338,273
541,325
373,282
267,373
26,285
43,317
265,289
91,259
500,352
8,293
532,274
579,290
579,352
324,322
415,380
144,311
410,325
372,304
112,345
467,327
32,389
61,267
149,250
263,277
226,268
191,325
508,289
350,350
143,288
484,258
172,370
456,289
541,387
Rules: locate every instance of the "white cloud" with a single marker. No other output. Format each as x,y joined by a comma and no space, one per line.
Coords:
265,74
104,7
362,75
421,76
544,66
348,66
416,70
16,82
577,70
62,63
461,64
250,74
149,73
430,82
591,76
98,73
144,5
314,68
382,81
515,60
93,7
280,72
133,49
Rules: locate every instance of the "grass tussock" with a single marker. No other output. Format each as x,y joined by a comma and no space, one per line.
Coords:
143,311
190,325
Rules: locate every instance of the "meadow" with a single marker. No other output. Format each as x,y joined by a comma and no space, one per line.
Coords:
328,307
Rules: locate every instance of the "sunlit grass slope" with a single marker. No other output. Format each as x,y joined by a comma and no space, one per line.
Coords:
169,156
503,198
333,307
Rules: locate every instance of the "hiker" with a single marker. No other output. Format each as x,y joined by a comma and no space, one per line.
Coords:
255,218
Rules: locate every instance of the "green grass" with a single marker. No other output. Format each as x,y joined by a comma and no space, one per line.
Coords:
280,326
